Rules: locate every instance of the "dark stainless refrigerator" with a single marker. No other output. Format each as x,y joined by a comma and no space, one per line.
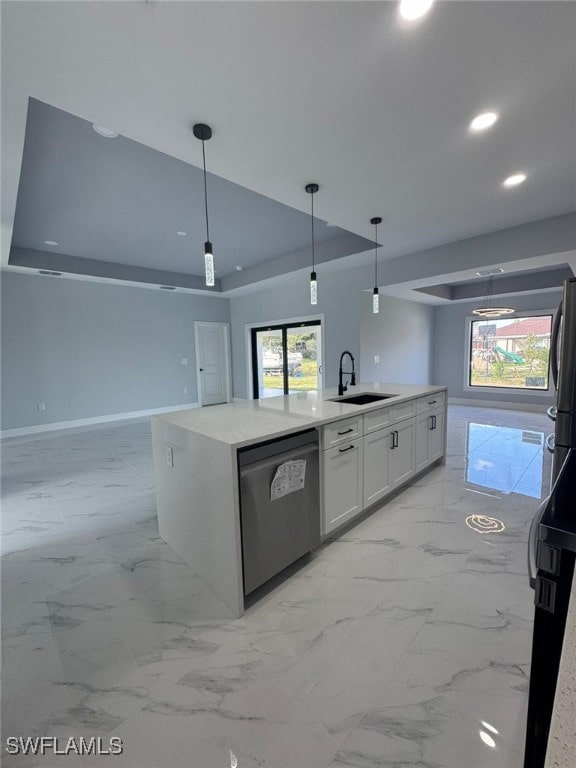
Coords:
552,545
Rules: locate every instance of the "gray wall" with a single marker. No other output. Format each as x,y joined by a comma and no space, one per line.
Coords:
402,335
338,301
89,349
348,324
449,348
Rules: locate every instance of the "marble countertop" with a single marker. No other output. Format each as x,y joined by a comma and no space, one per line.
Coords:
561,752
247,421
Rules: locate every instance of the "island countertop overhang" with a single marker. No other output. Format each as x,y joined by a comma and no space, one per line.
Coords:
246,422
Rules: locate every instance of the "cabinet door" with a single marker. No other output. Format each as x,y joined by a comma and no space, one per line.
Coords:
436,436
343,476
402,455
424,424
377,447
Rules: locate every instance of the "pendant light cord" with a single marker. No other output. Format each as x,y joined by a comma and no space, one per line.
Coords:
205,192
375,255
312,196
489,291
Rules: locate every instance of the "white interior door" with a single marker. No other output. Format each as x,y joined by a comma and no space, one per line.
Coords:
213,363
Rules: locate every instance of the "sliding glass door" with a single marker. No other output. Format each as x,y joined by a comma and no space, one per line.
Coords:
286,358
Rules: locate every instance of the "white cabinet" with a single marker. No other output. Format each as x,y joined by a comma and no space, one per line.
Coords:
368,456
377,448
343,481
403,440
436,436
429,438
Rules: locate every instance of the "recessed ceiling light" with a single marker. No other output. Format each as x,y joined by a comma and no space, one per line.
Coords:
514,180
181,233
50,242
239,268
483,121
108,133
414,9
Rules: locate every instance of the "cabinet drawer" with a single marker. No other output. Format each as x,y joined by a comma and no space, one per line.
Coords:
402,411
343,477
341,432
430,403
375,420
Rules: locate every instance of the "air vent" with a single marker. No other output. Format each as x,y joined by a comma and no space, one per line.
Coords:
167,287
488,272
48,272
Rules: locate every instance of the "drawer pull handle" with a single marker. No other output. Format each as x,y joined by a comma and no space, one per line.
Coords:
346,431
431,402
343,450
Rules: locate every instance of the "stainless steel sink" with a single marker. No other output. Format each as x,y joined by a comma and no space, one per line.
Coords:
361,399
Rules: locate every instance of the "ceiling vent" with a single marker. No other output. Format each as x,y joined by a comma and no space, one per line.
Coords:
489,272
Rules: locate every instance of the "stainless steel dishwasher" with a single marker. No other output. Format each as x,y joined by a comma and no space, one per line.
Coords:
279,504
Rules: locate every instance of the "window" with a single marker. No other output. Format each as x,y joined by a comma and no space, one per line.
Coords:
286,358
511,353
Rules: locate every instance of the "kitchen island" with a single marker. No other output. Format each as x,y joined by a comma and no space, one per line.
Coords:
196,465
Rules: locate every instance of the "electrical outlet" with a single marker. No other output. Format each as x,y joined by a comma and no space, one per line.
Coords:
376,358
184,361
185,390
169,456
41,406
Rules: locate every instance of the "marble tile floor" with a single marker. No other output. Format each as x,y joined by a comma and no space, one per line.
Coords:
404,643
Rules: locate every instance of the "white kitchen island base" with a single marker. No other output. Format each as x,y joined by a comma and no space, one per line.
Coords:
196,470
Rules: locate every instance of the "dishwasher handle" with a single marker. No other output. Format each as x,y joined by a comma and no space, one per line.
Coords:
278,459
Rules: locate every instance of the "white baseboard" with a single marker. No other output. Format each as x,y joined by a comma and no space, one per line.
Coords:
540,408
56,425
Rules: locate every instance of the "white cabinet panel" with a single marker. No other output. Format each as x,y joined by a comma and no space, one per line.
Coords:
423,427
430,403
436,436
402,454
374,420
377,449
343,479
341,431
429,438
402,411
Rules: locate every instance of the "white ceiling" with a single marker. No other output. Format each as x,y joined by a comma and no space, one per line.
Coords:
338,92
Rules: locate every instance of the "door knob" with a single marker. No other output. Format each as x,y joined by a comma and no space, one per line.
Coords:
200,369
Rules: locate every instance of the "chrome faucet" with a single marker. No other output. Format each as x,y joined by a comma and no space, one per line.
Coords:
343,387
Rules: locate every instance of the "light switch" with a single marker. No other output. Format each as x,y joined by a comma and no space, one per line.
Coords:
376,358
169,456
184,361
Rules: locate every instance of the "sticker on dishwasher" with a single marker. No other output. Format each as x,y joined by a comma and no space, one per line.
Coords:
289,477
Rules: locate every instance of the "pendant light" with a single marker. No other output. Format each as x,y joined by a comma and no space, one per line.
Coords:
204,133
312,189
375,296
486,310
